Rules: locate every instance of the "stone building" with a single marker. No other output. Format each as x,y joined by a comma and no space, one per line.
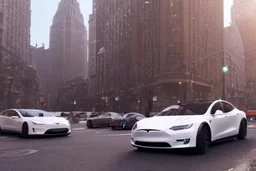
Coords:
19,83
74,96
41,62
151,54
235,77
245,17
68,45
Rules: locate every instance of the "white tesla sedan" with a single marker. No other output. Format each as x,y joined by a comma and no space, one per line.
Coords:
33,122
193,124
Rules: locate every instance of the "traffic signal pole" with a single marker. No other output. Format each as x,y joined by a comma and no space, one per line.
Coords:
223,78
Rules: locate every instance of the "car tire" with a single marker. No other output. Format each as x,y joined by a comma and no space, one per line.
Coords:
242,130
203,139
0,130
25,129
113,127
89,124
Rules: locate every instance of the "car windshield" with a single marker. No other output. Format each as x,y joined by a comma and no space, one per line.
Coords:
35,113
115,115
131,114
186,109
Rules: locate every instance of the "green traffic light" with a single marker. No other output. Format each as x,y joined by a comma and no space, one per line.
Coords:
225,69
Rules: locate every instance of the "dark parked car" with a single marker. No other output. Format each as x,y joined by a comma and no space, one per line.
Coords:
102,120
126,121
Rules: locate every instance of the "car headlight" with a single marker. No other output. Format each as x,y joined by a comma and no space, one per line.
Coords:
134,126
180,127
37,123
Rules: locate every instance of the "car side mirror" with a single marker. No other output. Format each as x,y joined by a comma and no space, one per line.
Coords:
15,117
218,112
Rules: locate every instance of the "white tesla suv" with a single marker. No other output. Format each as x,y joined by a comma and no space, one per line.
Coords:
193,124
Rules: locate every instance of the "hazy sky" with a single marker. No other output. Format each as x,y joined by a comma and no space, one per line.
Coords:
44,10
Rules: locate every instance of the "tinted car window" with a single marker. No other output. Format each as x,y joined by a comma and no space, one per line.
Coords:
4,113
12,113
197,108
227,107
216,107
127,115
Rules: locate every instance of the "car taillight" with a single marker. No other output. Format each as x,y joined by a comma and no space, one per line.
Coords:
68,118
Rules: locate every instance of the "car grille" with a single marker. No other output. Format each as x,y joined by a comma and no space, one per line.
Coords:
152,144
57,131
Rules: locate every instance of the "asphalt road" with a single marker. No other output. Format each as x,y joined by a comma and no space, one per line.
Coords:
107,150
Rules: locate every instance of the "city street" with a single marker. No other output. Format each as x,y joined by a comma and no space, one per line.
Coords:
107,150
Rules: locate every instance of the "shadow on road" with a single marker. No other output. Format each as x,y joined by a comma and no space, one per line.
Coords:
17,135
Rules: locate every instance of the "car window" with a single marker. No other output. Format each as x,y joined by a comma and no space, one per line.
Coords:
227,107
216,107
12,113
4,113
128,115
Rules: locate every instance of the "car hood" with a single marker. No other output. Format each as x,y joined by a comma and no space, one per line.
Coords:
166,122
48,120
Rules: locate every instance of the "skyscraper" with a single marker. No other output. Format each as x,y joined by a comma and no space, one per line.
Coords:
18,81
146,49
245,16
68,45
16,27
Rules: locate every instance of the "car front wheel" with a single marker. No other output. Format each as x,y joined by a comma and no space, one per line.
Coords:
25,130
242,130
89,124
203,140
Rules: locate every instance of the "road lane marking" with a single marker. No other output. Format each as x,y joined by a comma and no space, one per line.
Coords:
78,129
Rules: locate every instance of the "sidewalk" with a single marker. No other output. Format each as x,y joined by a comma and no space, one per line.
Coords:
249,163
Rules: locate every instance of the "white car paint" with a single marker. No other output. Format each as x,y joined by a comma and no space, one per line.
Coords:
222,125
36,125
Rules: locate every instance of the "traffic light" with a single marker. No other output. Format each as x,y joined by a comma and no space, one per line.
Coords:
225,69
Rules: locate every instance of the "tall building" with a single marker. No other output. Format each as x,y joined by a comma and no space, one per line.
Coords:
41,62
151,54
68,45
16,31
235,78
18,80
92,58
245,17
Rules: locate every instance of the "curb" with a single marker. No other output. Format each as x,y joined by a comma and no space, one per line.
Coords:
249,164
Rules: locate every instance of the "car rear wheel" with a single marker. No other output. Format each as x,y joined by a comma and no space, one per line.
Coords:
242,130
203,139
25,130
89,124
0,130
113,127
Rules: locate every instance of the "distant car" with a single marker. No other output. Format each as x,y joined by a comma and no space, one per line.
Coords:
193,124
127,121
251,112
102,120
33,122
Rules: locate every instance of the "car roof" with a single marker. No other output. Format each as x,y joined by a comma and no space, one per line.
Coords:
197,102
